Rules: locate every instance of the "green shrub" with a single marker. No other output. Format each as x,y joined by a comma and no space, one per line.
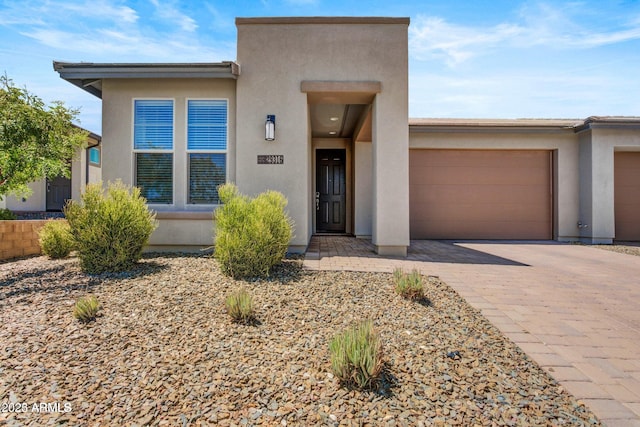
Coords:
252,235
240,306
356,356
86,308
410,285
55,238
6,215
110,228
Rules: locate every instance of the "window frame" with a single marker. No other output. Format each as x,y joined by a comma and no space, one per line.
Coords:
204,151
136,151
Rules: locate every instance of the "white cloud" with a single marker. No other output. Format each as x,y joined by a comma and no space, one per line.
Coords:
538,25
434,37
102,9
43,13
120,46
170,13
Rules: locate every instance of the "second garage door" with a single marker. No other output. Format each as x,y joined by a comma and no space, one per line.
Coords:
627,195
480,194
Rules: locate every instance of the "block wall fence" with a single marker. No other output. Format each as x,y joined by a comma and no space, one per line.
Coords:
19,238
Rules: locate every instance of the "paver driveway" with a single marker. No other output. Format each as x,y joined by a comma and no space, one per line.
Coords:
574,309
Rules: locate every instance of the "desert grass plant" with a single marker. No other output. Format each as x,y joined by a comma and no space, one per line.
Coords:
55,239
252,234
86,308
356,356
110,227
240,306
409,285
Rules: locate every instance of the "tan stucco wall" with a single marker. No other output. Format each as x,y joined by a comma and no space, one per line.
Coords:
363,178
597,146
117,145
37,201
565,146
275,58
177,232
95,173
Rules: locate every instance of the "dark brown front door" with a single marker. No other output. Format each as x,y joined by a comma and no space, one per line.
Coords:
58,192
330,191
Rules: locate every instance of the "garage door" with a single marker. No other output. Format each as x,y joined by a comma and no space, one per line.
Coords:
480,194
627,195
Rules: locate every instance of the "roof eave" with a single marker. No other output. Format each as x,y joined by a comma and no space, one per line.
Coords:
489,125
89,76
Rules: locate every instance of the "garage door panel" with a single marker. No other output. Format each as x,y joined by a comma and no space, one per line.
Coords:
475,175
472,194
484,212
478,229
472,158
627,195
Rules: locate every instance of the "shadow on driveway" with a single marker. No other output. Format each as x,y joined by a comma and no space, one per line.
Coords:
441,251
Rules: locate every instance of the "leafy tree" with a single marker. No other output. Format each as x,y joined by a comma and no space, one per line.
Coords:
36,141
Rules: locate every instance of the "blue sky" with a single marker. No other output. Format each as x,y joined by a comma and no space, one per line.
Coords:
497,59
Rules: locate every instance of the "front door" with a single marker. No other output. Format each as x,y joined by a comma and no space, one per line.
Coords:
58,192
330,191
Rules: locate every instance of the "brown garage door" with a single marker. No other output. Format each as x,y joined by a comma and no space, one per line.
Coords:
627,195
480,194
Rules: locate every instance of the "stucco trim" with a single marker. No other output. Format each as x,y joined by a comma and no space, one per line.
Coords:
350,20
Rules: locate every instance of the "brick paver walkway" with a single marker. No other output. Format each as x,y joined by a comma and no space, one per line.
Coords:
574,309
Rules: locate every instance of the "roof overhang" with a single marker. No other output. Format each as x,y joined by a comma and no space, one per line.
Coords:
494,125
609,122
88,76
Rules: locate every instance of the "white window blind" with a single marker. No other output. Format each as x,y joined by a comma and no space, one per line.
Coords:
153,124
207,148
153,147
207,124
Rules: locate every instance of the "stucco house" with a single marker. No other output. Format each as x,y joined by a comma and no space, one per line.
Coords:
51,194
317,108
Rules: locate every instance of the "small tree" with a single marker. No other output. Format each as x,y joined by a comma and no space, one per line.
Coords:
36,141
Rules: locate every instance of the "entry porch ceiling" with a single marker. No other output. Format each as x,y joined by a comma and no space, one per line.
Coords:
337,120
341,109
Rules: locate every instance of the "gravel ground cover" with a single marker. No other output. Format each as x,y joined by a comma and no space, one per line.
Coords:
164,352
623,248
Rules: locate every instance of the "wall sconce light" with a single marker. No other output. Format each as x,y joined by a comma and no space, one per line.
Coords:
270,128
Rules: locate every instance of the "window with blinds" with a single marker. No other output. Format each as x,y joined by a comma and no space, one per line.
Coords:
153,149
207,149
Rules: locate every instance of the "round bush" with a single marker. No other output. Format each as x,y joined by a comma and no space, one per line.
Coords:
110,228
55,238
252,235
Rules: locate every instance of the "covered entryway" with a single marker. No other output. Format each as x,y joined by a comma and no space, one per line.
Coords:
58,192
480,194
331,191
627,195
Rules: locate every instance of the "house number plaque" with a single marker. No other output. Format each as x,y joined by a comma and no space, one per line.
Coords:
270,159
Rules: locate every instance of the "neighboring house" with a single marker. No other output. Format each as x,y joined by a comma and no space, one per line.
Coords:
344,152
51,194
